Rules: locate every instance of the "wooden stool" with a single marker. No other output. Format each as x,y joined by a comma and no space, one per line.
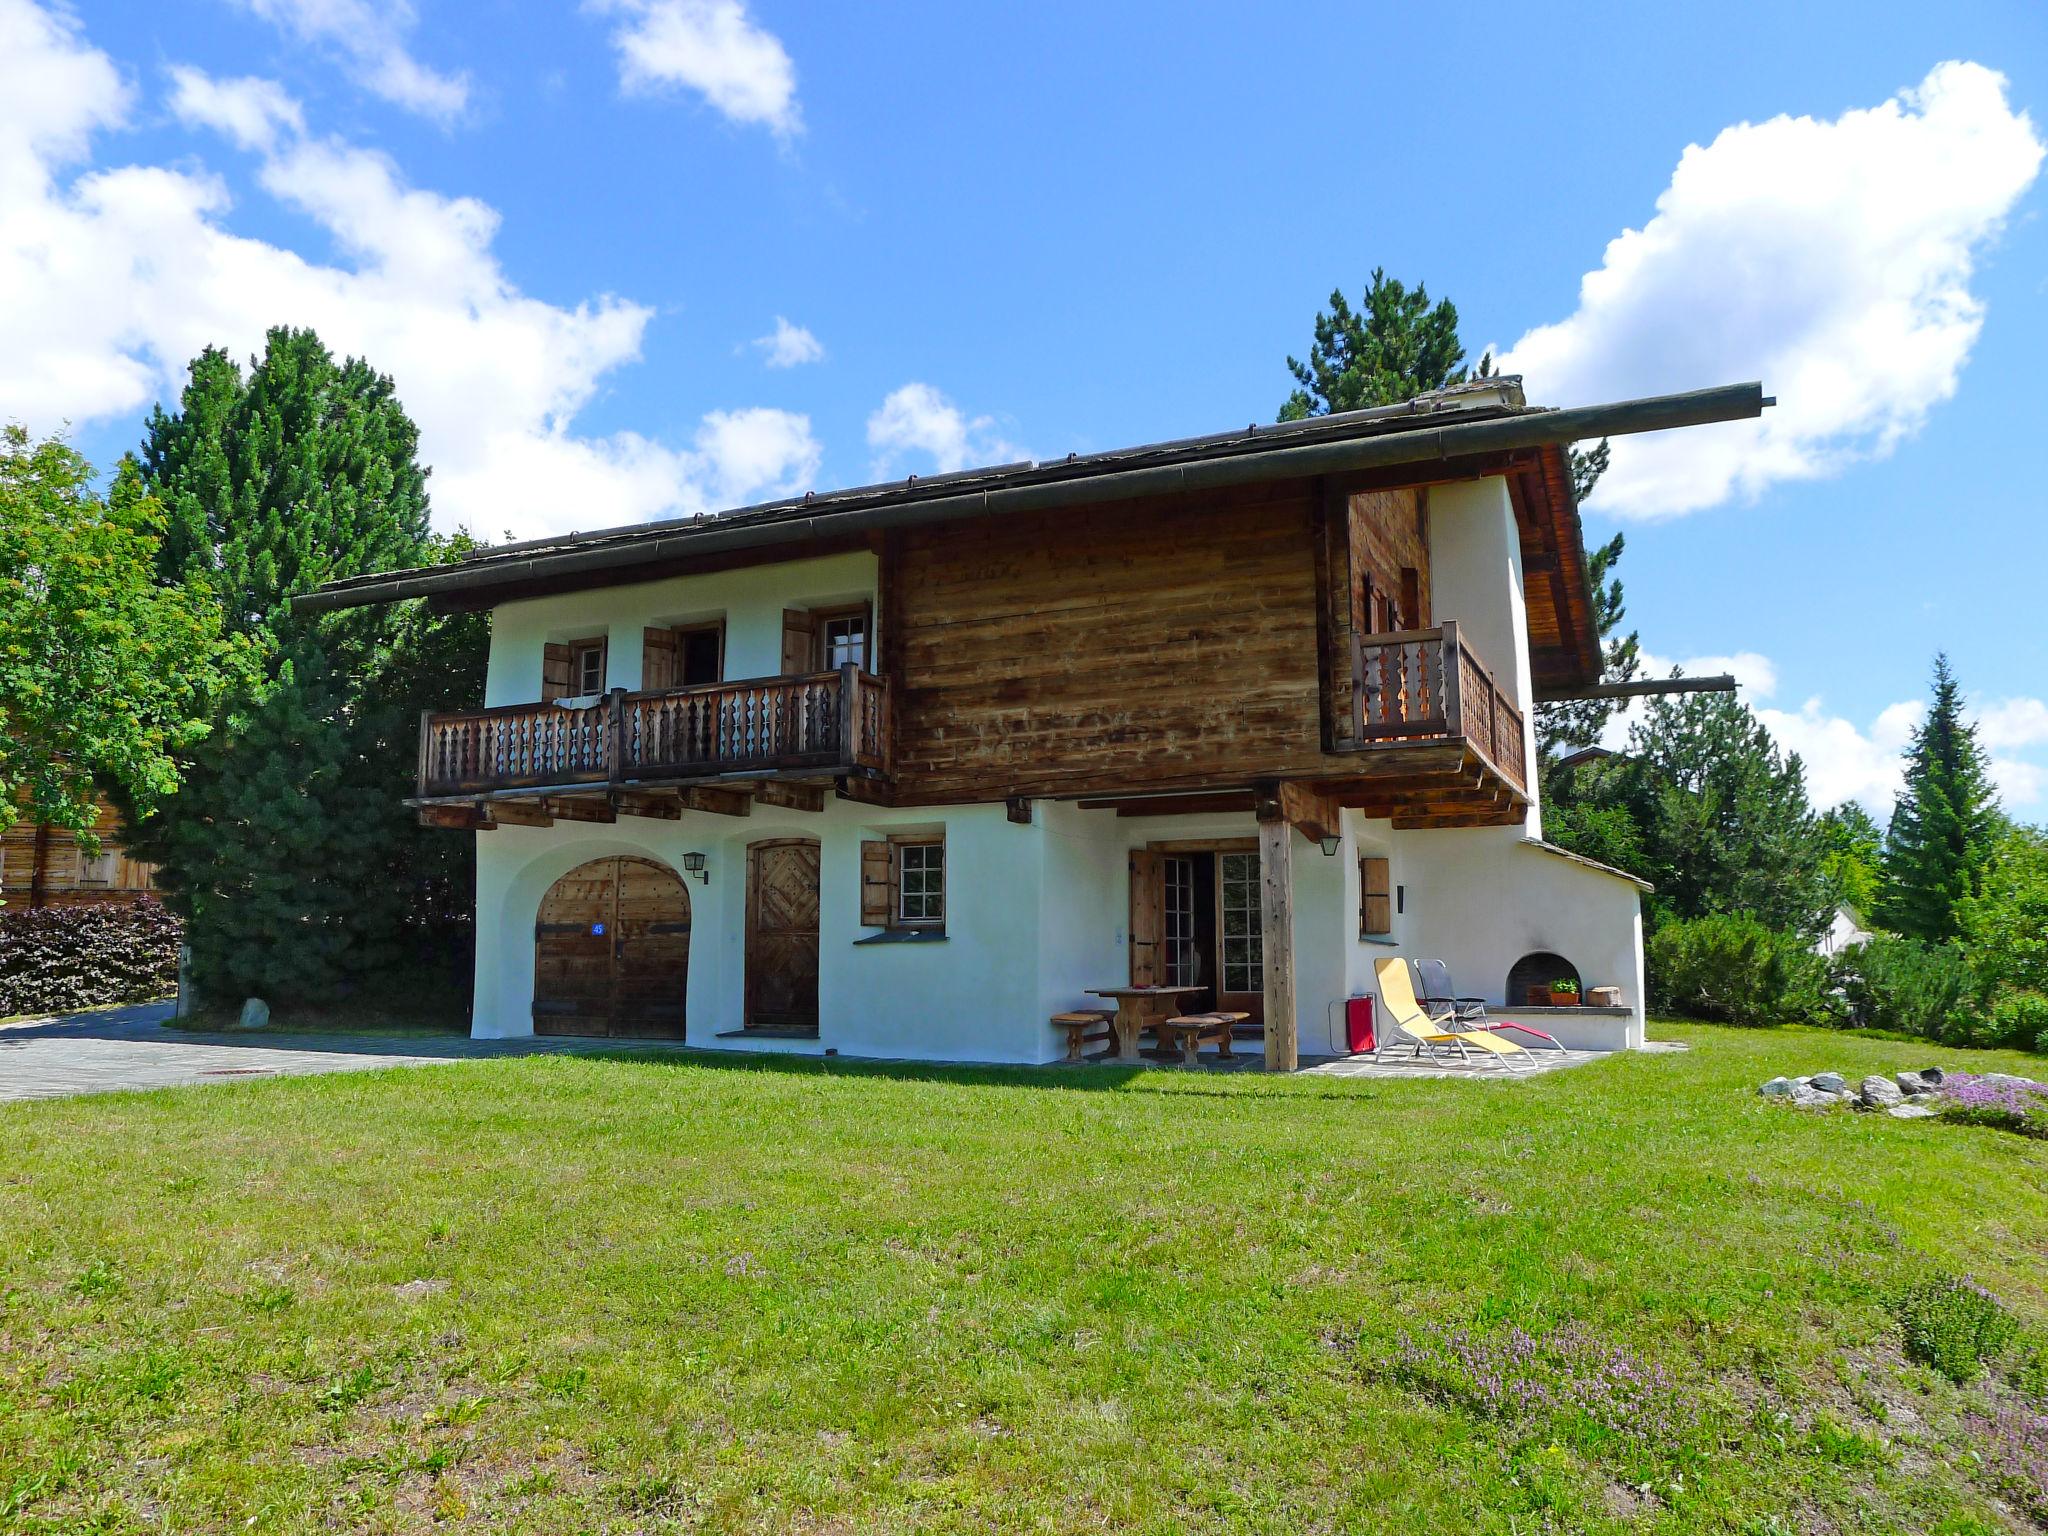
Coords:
1083,1026
1192,1031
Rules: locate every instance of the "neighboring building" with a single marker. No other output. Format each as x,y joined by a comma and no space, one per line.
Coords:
902,771
1845,930
43,866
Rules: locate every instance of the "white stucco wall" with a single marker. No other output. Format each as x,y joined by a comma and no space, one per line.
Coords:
750,601
1475,578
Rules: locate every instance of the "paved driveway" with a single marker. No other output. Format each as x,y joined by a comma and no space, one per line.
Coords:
120,1048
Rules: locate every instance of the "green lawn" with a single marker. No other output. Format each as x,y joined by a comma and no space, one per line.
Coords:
560,1294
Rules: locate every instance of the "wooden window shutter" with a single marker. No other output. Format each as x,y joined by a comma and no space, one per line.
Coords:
877,884
1148,917
799,641
557,664
1411,598
1376,896
658,665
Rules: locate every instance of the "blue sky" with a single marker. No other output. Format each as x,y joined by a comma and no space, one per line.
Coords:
570,233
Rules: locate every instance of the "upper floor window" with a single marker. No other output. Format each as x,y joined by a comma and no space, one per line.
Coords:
587,666
843,639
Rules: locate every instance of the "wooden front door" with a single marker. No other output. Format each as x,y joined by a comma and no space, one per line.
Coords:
611,952
782,934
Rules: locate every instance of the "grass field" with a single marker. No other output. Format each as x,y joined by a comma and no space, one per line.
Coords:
560,1294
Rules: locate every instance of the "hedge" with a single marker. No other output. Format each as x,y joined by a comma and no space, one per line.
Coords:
58,959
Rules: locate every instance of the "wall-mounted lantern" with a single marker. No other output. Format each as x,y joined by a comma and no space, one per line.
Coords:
693,864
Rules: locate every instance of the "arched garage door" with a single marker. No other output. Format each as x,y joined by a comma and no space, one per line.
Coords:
611,952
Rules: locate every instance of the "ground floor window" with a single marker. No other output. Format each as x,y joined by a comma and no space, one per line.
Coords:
1182,960
1243,957
921,883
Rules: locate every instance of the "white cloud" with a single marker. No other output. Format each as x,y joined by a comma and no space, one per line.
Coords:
1830,258
1847,761
251,112
2010,723
919,419
712,47
370,36
117,278
788,346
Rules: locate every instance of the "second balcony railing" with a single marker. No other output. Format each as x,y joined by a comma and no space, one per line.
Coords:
823,721
1428,684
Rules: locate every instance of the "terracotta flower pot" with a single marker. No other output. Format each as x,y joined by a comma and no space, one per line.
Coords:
1563,999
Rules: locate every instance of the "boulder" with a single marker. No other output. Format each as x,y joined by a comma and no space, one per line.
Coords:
1933,1076
1777,1088
1830,1082
2008,1080
1814,1098
255,1014
1913,1082
1910,1112
1879,1092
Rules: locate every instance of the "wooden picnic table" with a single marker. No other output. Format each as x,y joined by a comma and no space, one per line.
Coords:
1137,1007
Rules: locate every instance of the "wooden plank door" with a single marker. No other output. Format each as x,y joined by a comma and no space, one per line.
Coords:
1148,918
782,934
611,948
650,951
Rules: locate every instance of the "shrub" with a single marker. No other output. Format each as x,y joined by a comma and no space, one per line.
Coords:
1930,990
1736,970
1952,1325
2020,1020
55,959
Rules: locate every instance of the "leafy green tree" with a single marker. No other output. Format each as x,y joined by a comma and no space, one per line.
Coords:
1944,824
1853,853
104,675
1723,815
289,850
2005,924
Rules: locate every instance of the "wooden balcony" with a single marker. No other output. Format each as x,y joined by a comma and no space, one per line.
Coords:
819,725
1421,685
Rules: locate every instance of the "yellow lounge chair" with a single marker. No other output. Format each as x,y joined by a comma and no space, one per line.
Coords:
1405,1018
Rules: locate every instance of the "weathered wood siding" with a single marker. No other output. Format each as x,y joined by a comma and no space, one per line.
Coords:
1165,643
1378,535
43,866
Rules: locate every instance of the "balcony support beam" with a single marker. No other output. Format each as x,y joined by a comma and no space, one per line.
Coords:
720,802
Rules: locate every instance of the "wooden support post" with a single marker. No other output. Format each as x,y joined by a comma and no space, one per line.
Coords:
1276,934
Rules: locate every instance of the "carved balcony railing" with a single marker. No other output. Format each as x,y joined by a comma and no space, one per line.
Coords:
1428,684
825,722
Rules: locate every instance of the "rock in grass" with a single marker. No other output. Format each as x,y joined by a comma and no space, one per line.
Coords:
1879,1092
1913,1082
1814,1098
1830,1082
1910,1112
2008,1080
1777,1088
255,1013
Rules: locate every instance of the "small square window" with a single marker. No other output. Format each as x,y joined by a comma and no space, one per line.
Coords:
844,640
921,883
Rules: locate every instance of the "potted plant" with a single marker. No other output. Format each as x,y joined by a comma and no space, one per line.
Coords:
1564,993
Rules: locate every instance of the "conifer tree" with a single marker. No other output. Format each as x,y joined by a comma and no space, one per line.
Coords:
1945,824
288,848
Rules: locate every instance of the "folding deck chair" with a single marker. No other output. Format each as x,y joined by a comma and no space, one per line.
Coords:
1440,1001
1405,1018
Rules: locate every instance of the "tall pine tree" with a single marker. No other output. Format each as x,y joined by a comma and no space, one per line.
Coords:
288,849
1945,824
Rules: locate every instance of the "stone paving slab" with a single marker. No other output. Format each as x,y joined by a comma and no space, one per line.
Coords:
116,1049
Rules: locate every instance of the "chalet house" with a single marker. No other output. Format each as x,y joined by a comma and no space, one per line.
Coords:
44,866
902,771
